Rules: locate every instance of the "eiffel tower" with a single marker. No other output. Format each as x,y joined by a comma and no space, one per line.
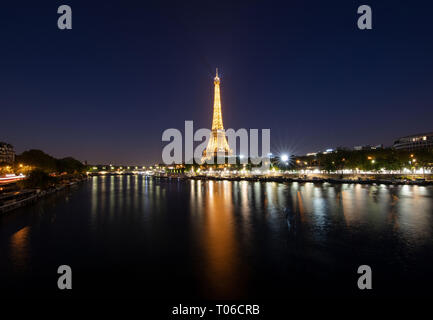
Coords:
217,145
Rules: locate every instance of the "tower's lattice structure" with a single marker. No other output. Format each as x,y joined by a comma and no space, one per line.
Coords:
217,145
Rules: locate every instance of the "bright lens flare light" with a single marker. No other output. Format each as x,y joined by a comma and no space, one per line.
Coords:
284,157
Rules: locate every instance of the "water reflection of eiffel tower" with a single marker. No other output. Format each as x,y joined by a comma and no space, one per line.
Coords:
217,145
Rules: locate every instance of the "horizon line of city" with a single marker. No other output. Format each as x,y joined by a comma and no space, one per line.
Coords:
411,142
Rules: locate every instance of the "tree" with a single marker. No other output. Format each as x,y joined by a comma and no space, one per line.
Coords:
37,179
40,160
37,159
424,158
69,165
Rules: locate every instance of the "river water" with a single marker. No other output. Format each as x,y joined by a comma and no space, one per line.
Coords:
136,236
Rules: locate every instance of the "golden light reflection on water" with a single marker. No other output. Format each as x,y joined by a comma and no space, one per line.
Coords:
300,204
219,246
19,246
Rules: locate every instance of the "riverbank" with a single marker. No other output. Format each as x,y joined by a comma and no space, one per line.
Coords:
314,179
17,199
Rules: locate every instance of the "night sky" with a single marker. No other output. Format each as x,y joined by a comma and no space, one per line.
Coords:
106,90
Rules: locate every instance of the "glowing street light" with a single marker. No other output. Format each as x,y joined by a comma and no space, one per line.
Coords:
284,157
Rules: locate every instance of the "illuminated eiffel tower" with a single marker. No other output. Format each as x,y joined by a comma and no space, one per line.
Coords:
217,145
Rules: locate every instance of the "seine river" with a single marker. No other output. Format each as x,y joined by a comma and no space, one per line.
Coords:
132,236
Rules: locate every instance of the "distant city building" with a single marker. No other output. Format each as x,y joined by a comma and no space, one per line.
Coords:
415,142
329,150
311,154
7,153
368,147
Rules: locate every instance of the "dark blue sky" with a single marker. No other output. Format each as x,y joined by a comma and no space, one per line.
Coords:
105,90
